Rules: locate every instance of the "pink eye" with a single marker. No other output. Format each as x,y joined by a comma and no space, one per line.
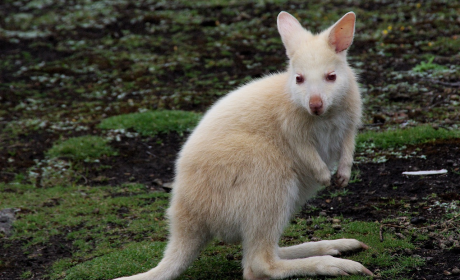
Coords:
299,79
330,77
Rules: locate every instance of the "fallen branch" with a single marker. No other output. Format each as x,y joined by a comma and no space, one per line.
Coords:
456,84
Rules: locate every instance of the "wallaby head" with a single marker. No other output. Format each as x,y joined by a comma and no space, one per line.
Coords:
318,71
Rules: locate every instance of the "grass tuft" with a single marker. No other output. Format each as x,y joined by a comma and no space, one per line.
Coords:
82,148
427,66
151,123
402,137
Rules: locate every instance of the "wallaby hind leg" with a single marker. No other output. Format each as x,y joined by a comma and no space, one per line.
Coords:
263,263
185,243
321,248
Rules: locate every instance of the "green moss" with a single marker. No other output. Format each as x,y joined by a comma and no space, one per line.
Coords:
153,122
82,148
402,137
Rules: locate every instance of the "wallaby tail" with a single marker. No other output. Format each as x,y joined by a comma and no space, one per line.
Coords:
179,254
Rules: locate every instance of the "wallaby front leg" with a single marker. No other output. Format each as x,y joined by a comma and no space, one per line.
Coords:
321,248
313,162
346,159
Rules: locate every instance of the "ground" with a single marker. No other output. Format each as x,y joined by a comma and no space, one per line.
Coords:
65,67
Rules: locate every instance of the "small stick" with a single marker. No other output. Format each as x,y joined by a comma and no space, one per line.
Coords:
381,233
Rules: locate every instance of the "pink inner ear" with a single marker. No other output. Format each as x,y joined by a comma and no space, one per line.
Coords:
341,35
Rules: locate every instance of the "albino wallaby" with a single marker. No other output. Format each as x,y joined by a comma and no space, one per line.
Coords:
260,152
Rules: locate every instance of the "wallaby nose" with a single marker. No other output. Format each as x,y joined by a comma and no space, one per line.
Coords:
316,105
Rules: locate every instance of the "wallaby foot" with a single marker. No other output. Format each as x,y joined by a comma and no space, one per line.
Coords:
266,267
321,248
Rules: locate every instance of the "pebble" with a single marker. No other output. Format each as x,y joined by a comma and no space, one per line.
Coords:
323,214
335,221
336,227
418,220
7,217
400,235
447,273
456,271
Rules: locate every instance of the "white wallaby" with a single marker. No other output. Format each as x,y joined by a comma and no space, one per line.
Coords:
260,152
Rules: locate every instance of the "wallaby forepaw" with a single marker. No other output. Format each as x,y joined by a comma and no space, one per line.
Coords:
324,178
342,180
343,176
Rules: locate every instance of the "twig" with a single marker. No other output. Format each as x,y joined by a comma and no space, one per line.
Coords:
456,84
381,233
86,180
444,222
391,225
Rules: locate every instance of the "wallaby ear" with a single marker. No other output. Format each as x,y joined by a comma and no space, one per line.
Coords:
342,32
289,28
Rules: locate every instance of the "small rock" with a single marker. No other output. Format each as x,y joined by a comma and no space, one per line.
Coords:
309,221
337,227
6,220
168,185
418,220
400,235
323,214
432,235
456,271
447,273
335,221
408,251
414,198
158,182
379,119
315,239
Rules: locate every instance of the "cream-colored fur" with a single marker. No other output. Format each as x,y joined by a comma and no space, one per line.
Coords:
260,152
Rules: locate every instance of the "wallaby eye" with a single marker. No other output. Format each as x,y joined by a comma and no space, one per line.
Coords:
299,79
330,77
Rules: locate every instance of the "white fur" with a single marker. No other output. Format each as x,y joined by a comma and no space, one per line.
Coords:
259,153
